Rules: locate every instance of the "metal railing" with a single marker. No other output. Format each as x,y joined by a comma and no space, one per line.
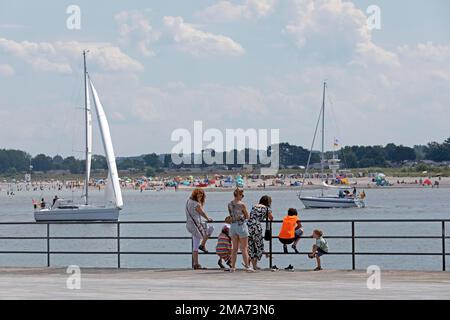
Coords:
119,253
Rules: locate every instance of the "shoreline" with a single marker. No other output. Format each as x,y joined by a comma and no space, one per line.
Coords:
249,184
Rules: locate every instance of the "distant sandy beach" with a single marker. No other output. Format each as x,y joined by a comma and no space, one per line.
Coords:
249,184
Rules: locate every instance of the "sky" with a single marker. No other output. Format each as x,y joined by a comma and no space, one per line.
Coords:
161,65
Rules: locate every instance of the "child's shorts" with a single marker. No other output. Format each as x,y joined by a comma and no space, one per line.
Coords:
320,252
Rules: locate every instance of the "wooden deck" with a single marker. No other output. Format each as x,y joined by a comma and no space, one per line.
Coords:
44,283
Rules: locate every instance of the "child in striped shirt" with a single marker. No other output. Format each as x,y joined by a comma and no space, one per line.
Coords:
224,247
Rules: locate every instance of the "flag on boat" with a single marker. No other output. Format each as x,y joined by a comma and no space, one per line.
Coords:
336,142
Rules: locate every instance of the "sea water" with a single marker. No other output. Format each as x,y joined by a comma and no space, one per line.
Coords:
388,203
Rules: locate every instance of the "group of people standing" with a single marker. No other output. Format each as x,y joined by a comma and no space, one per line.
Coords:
243,231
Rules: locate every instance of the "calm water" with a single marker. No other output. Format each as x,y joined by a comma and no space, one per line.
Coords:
169,205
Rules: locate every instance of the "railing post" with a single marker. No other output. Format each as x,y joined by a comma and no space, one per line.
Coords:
192,255
353,246
48,244
270,246
443,246
118,244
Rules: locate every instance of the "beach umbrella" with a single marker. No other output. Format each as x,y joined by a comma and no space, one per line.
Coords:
427,182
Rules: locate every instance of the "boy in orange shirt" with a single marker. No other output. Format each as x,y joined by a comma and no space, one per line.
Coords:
291,230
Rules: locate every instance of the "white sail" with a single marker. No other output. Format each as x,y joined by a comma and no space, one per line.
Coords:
113,176
88,138
109,191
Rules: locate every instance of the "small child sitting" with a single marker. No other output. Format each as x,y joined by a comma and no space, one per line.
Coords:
319,248
224,247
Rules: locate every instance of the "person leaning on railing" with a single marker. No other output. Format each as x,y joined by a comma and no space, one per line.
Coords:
239,229
200,230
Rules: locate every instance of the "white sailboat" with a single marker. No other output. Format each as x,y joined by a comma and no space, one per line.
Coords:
66,210
328,201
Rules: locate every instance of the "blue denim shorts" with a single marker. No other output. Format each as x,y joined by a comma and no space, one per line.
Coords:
239,229
320,252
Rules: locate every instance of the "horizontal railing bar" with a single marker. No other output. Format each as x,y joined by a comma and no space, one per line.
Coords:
212,238
23,252
183,221
23,238
213,253
187,238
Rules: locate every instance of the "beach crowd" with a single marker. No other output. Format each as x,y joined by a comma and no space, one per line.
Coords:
243,230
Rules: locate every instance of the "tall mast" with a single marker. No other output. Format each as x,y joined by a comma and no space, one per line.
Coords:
86,118
323,135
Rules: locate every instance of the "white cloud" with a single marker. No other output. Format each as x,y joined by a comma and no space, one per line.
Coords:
135,29
228,11
61,56
336,27
198,42
6,70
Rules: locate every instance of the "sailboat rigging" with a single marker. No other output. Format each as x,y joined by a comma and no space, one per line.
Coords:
66,210
327,201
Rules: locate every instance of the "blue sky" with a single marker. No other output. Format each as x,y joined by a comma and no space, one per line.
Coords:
160,65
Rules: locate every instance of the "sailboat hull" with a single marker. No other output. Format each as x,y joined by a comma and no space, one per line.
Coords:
78,214
331,202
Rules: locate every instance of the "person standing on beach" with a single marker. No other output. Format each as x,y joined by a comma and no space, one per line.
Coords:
200,230
259,213
239,229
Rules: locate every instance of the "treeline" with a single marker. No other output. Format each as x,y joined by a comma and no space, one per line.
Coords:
377,156
16,161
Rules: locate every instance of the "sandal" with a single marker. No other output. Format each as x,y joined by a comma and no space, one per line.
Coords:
199,267
318,269
203,248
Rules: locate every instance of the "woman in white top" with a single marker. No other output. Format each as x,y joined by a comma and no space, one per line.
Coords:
200,230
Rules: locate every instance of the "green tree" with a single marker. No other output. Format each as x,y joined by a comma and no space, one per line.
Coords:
99,162
42,163
438,152
152,160
17,159
73,165
58,162
399,153
349,158
295,155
